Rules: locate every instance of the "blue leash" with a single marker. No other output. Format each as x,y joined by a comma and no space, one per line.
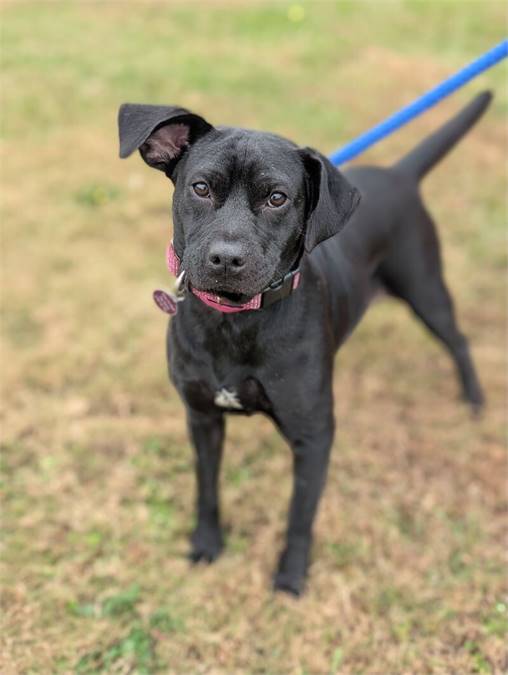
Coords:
421,104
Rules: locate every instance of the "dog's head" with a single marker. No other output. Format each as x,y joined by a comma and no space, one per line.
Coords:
245,202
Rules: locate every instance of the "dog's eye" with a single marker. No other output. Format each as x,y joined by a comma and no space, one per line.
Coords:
277,199
201,189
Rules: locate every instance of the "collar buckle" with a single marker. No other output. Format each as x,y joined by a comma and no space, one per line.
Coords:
278,290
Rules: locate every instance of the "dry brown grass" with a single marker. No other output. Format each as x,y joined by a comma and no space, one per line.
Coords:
408,573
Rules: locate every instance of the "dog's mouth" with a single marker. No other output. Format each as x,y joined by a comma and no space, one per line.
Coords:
233,298
231,291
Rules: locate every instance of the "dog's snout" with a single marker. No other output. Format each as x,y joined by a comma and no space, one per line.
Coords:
226,257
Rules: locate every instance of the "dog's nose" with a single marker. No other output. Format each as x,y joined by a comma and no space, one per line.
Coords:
226,257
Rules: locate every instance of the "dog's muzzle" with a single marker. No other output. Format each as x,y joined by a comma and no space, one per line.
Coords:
167,302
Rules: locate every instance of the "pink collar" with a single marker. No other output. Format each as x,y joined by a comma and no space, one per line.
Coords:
271,294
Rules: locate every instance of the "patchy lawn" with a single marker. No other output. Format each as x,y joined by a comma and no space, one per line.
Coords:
408,572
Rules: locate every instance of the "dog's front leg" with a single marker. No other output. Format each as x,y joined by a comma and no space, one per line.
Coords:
207,434
311,453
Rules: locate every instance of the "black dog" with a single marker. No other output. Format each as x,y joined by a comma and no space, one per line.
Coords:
253,215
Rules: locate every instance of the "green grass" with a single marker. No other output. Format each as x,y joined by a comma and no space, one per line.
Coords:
97,476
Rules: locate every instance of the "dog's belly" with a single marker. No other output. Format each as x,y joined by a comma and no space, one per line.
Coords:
245,397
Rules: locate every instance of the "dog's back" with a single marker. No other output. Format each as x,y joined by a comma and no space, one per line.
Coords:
391,239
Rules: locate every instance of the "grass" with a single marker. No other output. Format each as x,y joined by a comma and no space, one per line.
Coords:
408,572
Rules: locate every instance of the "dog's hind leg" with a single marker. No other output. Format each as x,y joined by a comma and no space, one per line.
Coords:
413,272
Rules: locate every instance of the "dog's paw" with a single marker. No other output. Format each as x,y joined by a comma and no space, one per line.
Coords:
473,394
206,544
285,582
477,402
292,571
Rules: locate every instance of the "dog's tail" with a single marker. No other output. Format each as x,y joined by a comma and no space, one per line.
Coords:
427,153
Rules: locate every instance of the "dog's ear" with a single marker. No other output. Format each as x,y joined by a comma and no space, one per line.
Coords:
330,198
161,133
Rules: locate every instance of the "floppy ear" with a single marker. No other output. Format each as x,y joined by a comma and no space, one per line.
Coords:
331,199
161,133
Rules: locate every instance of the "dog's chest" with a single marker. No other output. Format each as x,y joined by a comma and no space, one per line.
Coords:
228,399
246,396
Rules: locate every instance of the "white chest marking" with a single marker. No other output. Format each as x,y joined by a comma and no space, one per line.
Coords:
226,398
